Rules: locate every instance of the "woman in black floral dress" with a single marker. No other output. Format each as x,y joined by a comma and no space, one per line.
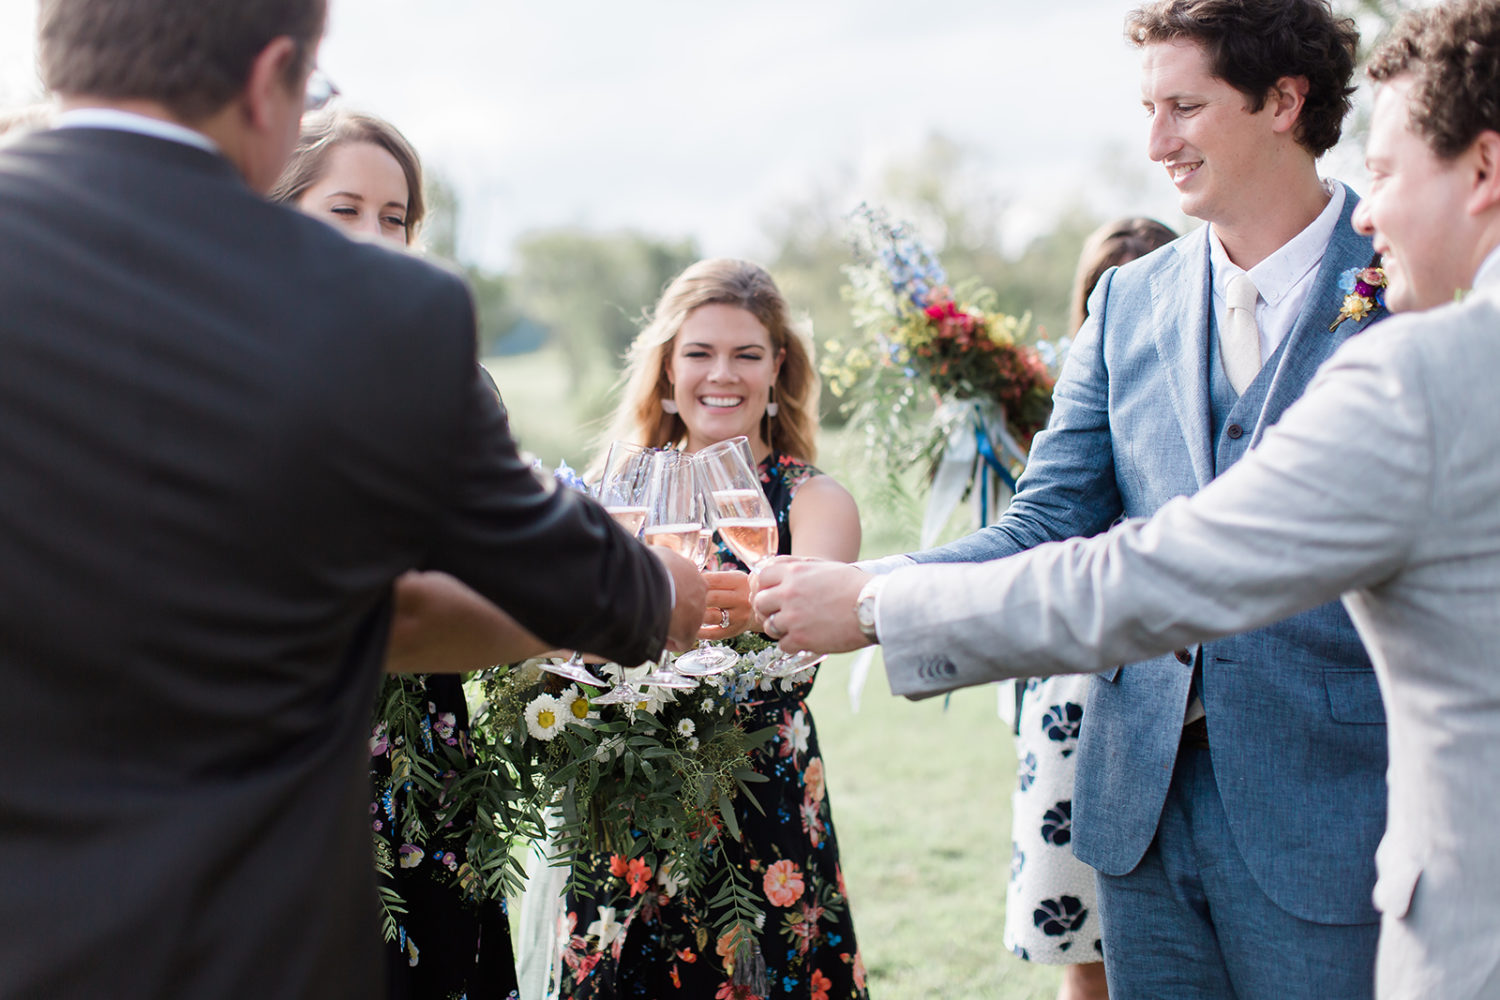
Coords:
359,173
720,359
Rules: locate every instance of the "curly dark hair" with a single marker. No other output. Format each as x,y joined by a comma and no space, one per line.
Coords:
1452,53
1253,43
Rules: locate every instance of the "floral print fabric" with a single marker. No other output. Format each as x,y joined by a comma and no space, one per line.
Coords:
449,946
638,936
1050,911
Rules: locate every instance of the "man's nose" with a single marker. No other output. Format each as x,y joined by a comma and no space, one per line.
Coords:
1361,220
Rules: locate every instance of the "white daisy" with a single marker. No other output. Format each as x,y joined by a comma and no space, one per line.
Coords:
575,706
544,717
686,727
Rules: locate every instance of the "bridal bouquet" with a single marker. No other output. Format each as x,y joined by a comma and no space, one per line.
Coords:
936,372
647,785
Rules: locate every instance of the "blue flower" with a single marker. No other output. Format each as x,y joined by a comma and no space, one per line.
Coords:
1061,723
1056,917
1346,280
1026,771
1057,823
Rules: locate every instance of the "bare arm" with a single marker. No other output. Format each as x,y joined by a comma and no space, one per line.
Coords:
441,626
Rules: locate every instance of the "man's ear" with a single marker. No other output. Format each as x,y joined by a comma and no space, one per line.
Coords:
1286,100
267,87
1484,156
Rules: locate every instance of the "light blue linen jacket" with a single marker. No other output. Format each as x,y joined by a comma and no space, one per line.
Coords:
1297,730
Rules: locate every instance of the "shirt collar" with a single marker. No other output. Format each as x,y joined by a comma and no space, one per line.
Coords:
1489,270
129,121
1278,274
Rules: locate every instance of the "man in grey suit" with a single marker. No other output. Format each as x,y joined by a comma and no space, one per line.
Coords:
1380,485
1236,853
225,430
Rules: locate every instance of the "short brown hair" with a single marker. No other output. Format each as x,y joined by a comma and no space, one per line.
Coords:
1452,53
1111,245
1251,44
325,131
639,418
191,56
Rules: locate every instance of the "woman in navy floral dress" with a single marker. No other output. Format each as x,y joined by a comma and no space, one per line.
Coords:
357,172
720,359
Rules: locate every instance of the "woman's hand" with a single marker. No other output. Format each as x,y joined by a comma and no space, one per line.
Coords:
728,602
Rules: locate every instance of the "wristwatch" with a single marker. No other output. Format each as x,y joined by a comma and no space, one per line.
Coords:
864,605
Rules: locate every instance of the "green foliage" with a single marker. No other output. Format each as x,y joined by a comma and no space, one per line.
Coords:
591,289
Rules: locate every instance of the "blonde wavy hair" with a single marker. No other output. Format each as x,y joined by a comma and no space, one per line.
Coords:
639,418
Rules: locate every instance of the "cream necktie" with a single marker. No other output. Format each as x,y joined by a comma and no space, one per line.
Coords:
1240,339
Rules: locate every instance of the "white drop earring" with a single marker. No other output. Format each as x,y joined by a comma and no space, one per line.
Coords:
668,405
772,408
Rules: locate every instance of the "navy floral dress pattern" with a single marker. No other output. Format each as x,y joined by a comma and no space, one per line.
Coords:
636,936
1050,911
449,945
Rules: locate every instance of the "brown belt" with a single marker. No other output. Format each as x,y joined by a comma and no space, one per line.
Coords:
1195,734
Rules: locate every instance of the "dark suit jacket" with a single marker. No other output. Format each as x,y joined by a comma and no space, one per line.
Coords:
224,430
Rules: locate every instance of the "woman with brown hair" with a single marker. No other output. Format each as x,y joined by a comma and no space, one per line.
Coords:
357,172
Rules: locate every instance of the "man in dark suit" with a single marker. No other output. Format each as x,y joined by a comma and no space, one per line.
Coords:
225,429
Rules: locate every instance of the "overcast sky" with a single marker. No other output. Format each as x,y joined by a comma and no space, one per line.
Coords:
696,118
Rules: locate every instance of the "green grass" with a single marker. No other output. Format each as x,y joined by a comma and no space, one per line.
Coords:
921,803
920,792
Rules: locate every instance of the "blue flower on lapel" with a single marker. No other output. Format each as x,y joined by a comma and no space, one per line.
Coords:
1056,917
1057,823
1364,293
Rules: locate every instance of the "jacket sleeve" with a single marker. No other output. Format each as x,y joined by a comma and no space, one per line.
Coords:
550,557
1331,501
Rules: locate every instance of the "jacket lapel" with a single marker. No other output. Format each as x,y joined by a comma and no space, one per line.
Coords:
1181,304
1310,342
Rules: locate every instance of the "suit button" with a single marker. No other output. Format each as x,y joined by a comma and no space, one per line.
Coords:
1235,432
1183,657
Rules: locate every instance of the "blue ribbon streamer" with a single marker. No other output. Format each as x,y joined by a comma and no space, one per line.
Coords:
991,462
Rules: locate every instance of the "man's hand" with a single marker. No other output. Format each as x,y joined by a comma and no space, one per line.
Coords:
809,604
692,593
728,600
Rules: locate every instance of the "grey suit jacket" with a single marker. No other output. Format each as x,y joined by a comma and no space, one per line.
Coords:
1380,485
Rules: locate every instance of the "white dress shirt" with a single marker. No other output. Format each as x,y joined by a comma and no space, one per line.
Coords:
129,121
1283,279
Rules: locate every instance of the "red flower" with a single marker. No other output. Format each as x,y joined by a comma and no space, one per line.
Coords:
820,985
638,875
729,991
616,866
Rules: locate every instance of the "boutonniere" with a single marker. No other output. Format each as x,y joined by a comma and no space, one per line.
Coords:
1364,292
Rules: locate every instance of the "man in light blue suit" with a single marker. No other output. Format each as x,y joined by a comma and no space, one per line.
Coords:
1230,795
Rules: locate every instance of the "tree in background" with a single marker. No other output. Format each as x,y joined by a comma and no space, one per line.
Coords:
589,290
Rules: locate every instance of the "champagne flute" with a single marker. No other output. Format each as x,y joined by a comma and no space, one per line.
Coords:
705,659
621,491
674,520
743,518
